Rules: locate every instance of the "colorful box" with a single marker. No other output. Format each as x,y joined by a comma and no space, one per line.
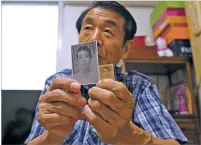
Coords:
161,6
172,20
169,13
176,32
139,40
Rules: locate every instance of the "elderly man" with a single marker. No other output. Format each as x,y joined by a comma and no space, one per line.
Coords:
125,111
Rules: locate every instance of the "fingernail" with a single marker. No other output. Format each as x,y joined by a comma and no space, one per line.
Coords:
75,86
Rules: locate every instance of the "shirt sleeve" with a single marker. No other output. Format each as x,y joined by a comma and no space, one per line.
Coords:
151,115
37,129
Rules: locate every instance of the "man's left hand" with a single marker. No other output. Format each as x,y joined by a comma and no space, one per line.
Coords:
109,109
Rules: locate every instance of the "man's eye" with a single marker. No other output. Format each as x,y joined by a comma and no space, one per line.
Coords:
108,31
88,28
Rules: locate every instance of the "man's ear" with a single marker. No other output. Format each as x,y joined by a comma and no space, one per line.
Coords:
126,49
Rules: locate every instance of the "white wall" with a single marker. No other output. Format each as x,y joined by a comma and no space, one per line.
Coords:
142,17
70,37
29,40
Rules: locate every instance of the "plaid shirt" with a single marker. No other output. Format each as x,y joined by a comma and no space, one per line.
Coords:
149,114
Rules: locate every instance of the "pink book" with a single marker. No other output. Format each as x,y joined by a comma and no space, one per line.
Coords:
169,12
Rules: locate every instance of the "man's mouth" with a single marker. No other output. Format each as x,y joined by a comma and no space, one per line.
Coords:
100,57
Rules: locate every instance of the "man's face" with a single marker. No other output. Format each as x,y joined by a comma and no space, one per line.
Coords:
83,58
107,28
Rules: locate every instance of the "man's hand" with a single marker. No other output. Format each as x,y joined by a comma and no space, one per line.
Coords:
109,109
60,107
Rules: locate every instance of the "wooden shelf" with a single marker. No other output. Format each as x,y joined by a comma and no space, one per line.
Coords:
156,65
184,116
175,60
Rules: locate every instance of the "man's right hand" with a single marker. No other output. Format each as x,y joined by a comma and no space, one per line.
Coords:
60,107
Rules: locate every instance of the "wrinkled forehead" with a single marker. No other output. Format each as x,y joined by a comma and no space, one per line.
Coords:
103,15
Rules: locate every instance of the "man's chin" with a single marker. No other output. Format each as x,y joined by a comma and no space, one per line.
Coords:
104,62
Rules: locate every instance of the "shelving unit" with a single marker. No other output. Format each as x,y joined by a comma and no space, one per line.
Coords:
162,66
157,65
166,66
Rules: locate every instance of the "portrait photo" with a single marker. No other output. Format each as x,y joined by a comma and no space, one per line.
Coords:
106,71
85,62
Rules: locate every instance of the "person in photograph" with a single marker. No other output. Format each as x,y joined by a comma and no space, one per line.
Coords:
85,75
127,110
107,73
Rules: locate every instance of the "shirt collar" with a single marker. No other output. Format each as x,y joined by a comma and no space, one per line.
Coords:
117,70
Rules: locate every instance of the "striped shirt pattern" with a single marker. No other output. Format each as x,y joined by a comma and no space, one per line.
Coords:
149,114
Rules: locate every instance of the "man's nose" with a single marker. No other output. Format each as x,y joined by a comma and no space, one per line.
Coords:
97,36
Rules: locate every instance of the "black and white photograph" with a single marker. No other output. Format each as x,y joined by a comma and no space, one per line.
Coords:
106,71
85,62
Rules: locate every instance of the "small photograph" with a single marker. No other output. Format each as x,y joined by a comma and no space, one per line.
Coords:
106,71
85,62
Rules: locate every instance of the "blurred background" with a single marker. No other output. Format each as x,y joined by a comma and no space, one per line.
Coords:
36,43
